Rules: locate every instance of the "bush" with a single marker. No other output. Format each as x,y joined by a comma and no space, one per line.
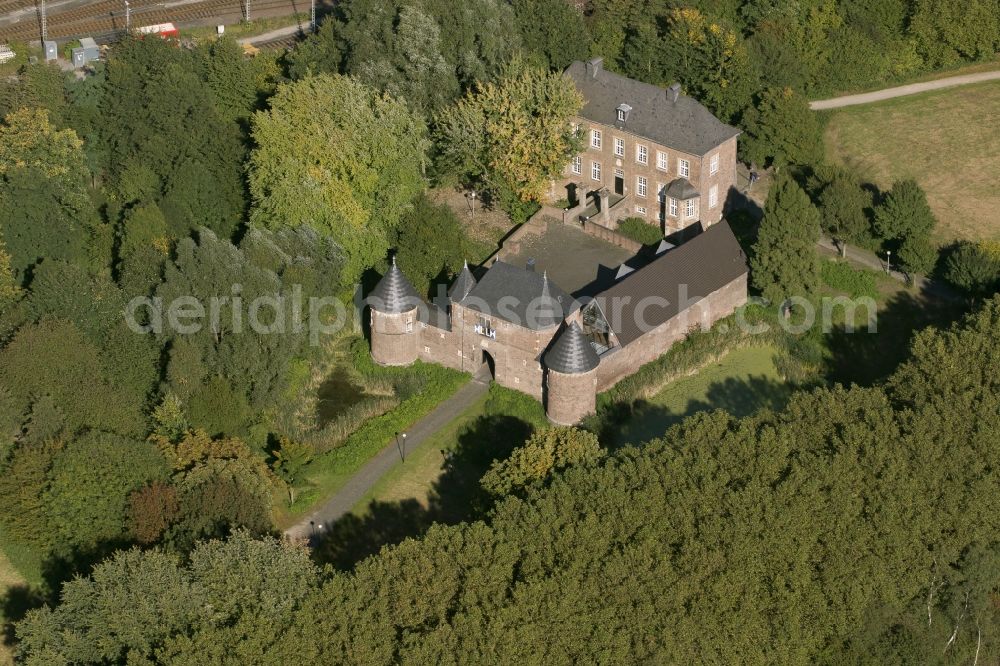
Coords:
843,277
640,231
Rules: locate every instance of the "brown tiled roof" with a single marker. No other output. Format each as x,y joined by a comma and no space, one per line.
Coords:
704,264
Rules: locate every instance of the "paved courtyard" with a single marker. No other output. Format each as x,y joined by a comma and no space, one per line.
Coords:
574,260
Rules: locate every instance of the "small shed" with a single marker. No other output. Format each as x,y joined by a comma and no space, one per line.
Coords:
91,52
51,50
86,52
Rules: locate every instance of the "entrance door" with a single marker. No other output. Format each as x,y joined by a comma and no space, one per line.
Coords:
490,364
619,182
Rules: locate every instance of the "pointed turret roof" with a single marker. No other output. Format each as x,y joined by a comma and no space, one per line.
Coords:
463,284
393,294
572,353
549,311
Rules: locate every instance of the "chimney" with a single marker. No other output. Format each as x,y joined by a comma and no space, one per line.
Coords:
594,66
674,92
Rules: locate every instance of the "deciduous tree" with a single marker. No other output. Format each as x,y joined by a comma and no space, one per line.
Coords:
335,155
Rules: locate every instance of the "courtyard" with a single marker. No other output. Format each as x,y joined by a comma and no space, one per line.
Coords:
579,263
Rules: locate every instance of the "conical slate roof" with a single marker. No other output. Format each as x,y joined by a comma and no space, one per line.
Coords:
572,353
549,312
393,294
463,284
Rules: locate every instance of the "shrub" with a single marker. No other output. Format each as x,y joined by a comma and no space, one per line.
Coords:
640,231
843,277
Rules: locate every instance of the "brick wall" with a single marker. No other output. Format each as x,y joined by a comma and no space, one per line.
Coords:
516,351
623,361
394,337
569,398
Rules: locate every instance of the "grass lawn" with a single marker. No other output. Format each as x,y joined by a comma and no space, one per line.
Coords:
947,140
415,478
742,382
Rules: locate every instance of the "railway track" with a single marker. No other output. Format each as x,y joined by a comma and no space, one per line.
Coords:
105,19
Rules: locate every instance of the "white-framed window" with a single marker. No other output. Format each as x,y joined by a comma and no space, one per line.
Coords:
619,146
684,168
713,165
595,171
578,165
640,186
595,138
689,207
621,115
409,325
427,350
641,210
641,154
661,160
673,207
713,196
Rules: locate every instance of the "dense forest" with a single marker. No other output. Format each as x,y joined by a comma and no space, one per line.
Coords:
855,526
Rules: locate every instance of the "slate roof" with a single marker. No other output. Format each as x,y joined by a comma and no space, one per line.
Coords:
571,353
682,189
394,294
521,297
692,271
684,125
462,285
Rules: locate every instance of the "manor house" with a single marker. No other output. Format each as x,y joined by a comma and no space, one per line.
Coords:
567,308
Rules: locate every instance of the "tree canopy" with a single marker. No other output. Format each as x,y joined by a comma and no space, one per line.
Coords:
334,155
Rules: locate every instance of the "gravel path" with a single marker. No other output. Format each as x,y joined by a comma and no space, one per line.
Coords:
902,91
347,497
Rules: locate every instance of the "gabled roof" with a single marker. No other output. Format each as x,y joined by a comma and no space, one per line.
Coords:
682,189
393,294
684,125
689,273
571,353
521,297
462,285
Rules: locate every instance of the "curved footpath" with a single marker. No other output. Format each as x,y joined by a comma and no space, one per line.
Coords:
354,490
902,91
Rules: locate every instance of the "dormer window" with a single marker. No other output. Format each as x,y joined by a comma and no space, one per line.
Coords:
623,110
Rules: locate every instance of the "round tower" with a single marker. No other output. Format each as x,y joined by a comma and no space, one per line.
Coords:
571,377
394,326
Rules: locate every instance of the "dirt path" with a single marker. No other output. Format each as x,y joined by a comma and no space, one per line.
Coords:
902,91
359,484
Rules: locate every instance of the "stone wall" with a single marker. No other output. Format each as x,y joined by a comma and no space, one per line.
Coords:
610,236
623,361
569,398
441,346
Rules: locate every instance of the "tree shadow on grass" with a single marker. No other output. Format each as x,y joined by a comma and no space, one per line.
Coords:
738,396
57,569
455,496
865,358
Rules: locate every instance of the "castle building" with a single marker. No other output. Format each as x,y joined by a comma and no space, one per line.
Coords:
536,338
650,153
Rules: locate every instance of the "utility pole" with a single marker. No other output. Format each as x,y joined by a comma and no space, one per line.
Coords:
312,15
246,11
128,17
43,20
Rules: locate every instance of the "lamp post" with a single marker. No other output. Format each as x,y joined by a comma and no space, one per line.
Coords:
472,203
401,446
128,17
888,265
